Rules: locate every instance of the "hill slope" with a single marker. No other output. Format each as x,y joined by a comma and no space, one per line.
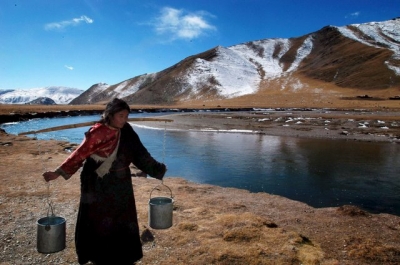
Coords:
358,58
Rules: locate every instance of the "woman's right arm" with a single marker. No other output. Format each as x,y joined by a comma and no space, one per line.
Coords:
93,140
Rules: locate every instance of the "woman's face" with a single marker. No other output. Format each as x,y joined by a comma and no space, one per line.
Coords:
119,119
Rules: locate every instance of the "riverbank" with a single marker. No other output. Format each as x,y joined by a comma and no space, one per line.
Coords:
348,117
212,225
358,125
364,121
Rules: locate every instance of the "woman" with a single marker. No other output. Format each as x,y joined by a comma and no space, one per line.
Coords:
107,230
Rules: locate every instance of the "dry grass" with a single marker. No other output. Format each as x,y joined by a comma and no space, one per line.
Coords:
373,251
211,225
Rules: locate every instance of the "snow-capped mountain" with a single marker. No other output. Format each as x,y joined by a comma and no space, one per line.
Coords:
359,56
93,94
60,95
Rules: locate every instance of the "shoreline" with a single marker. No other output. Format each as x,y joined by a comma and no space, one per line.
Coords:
211,225
245,122
319,124
359,124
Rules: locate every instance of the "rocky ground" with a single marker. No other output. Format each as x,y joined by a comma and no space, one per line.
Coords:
211,225
359,125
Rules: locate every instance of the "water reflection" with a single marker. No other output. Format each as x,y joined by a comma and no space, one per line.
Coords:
321,173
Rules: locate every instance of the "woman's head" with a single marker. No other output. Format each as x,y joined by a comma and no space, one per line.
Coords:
113,107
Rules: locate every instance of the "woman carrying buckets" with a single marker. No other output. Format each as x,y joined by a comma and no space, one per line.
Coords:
107,230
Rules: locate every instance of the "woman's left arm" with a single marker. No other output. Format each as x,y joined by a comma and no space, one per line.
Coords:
140,157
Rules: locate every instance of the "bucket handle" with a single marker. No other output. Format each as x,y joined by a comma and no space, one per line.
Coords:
161,185
47,226
48,211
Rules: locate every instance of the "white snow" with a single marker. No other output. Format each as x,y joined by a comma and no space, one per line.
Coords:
123,90
239,69
60,95
201,130
100,87
120,89
302,53
385,33
228,131
269,63
236,75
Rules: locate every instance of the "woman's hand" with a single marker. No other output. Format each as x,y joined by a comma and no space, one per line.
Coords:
160,176
49,175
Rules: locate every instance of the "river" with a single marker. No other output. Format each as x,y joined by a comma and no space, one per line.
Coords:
321,173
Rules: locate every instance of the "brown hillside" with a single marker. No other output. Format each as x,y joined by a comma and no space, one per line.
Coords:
337,70
166,88
347,63
336,73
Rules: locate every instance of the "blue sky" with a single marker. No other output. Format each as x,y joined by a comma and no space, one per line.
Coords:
78,43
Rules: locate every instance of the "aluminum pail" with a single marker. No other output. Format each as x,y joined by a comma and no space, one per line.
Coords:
160,212
51,234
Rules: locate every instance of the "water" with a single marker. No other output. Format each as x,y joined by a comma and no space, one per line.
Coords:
321,173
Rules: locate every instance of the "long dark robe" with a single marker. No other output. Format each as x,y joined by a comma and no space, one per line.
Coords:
107,230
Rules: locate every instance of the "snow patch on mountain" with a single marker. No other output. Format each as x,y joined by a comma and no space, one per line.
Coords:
4,91
60,95
100,87
121,87
229,72
386,33
377,34
238,70
236,75
262,54
302,53
125,88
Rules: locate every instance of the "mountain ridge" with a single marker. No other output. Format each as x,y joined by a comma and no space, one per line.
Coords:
356,57
348,60
58,94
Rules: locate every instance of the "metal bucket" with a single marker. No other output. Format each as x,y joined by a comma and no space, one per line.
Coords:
51,234
160,211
